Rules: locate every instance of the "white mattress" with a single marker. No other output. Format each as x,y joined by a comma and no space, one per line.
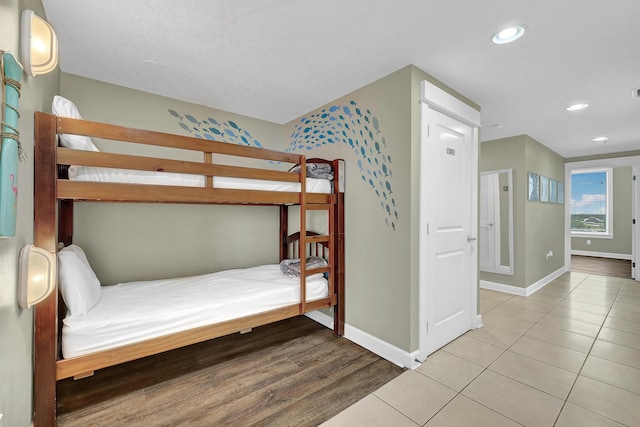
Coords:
96,174
135,311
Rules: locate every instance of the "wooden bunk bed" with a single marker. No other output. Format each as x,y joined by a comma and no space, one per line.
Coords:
55,196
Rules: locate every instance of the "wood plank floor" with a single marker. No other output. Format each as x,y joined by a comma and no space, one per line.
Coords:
293,372
601,266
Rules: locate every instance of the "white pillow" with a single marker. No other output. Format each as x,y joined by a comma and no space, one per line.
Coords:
79,253
64,108
79,285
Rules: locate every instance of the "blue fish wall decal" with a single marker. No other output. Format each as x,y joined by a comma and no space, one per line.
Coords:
349,124
360,130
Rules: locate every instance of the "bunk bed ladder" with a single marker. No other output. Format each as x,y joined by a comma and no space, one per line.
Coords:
333,241
311,241
302,246
326,241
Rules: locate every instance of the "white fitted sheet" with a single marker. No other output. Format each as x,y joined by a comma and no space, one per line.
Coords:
135,311
96,174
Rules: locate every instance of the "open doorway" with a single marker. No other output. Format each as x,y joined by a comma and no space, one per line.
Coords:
611,267
604,233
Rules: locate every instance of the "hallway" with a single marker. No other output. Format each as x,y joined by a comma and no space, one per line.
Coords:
568,355
601,266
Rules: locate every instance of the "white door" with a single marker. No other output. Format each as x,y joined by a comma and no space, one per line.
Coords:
448,226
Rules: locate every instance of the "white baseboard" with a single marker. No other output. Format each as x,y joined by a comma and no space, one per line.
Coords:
525,292
375,345
501,287
628,257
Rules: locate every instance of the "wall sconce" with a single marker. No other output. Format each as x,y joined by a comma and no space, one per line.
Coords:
36,275
39,44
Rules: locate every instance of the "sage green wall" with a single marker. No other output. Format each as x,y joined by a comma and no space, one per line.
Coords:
166,240
622,227
538,227
509,153
378,292
544,222
382,264
16,324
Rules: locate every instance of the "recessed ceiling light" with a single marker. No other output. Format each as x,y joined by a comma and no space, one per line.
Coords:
508,35
600,140
577,107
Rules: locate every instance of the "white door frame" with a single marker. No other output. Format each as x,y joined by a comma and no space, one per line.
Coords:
615,162
435,98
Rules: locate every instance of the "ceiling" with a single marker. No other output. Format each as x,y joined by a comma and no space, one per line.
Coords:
279,59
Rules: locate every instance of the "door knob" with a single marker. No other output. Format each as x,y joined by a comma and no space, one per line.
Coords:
471,239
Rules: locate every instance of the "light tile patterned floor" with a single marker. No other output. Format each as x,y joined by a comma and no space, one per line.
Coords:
568,355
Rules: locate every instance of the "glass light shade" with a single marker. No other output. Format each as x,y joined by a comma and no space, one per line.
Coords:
36,275
508,35
39,45
577,107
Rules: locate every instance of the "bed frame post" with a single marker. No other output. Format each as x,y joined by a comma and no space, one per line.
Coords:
45,236
302,246
339,314
338,218
284,232
65,222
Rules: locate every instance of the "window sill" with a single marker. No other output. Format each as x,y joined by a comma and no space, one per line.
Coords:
592,235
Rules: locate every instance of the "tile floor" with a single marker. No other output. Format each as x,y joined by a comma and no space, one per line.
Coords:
568,355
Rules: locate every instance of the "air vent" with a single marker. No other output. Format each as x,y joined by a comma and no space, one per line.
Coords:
635,93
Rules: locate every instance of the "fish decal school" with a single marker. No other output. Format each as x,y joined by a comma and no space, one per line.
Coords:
348,124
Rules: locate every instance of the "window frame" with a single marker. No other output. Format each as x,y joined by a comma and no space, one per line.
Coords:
608,234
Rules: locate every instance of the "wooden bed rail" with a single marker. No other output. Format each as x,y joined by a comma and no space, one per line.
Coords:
110,192
67,156
317,245
161,139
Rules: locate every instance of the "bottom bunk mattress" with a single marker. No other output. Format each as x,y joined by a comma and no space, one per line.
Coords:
136,311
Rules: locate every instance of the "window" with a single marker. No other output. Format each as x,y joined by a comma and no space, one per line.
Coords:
591,202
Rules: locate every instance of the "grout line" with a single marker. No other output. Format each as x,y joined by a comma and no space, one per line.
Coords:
459,393
572,289
585,361
504,350
392,407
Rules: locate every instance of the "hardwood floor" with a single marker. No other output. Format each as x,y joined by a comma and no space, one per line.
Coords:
293,372
601,266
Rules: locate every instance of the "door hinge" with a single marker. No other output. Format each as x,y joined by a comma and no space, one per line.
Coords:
633,221
634,264
427,327
634,178
427,229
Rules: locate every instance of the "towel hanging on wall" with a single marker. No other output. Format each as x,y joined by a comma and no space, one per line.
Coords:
11,72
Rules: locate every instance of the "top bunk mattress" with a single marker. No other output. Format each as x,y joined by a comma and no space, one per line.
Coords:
135,311
126,176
